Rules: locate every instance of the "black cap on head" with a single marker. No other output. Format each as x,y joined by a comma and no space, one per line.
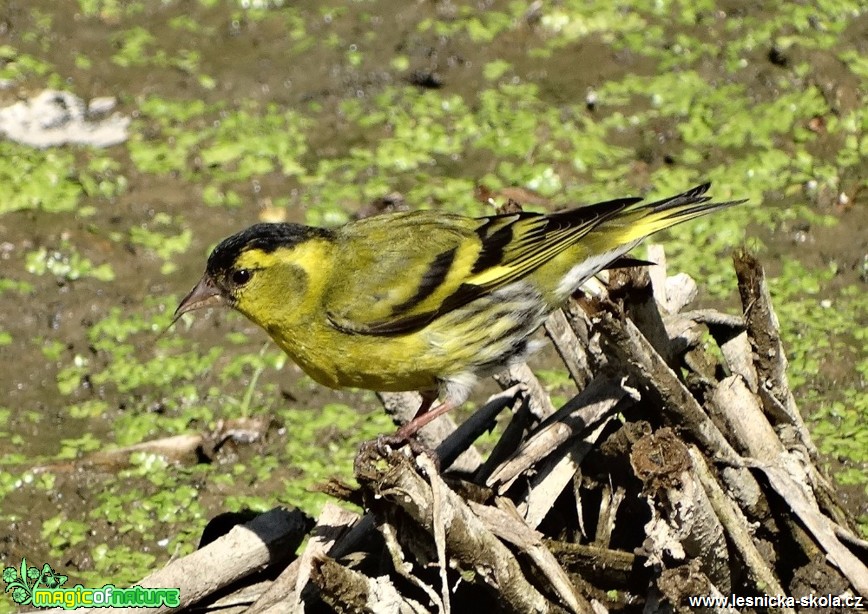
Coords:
267,237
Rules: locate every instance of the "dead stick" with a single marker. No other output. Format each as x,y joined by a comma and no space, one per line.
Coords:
739,532
347,590
819,526
629,347
569,348
683,524
505,522
763,329
538,399
332,523
468,542
247,548
587,408
462,438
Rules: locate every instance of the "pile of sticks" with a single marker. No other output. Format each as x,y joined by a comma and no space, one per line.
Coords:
682,468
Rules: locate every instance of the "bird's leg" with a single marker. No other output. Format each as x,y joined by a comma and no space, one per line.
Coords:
428,398
422,418
404,435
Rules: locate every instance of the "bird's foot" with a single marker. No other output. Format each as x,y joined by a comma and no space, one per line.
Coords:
383,445
386,442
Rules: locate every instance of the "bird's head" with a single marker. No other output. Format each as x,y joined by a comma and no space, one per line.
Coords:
263,272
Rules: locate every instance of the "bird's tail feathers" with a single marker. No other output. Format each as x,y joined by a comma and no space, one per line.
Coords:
642,220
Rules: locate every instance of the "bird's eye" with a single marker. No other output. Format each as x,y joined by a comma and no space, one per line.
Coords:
241,277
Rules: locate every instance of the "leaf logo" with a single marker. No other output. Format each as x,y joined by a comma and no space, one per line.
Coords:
21,582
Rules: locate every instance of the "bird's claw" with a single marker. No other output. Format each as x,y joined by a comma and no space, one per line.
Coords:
383,445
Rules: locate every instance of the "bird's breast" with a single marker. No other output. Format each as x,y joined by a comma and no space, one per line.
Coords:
345,360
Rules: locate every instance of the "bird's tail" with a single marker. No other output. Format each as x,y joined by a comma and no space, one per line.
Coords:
642,219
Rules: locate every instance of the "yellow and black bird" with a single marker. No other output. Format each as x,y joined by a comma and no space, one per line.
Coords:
423,300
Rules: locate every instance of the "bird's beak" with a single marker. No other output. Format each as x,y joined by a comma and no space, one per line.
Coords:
205,294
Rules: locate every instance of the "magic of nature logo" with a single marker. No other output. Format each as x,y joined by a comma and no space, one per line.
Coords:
43,588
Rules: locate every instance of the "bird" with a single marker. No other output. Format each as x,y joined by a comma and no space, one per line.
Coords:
424,300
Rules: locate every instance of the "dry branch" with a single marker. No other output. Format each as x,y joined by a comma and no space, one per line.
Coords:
584,410
287,589
470,544
352,591
569,348
539,402
737,530
683,523
764,332
507,524
624,341
267,540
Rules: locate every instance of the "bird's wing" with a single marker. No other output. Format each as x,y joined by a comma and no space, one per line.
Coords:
396,273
